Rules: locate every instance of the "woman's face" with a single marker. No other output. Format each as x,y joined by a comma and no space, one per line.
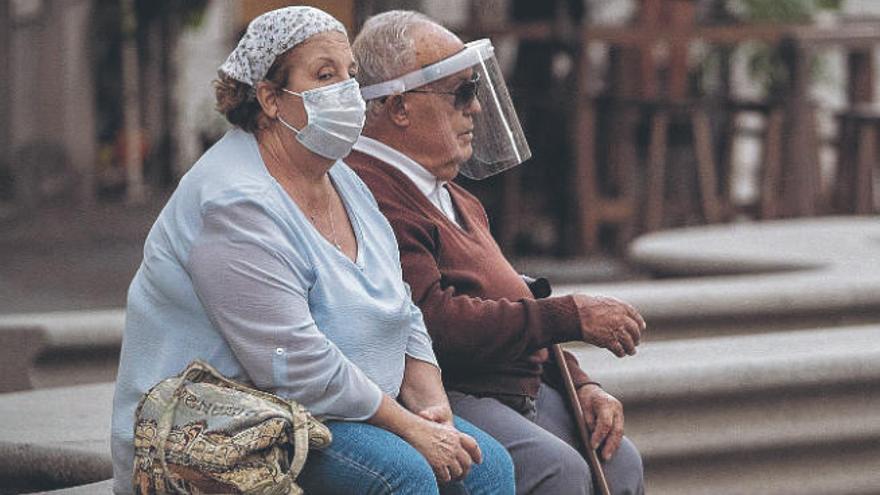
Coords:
321,60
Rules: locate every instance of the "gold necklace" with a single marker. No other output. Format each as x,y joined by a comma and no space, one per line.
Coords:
329,213
332,222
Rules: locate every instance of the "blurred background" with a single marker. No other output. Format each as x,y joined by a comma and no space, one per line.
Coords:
735,141
641,114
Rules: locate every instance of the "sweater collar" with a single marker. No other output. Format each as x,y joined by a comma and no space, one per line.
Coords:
419,175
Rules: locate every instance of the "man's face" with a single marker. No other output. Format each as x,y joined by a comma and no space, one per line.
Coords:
441,123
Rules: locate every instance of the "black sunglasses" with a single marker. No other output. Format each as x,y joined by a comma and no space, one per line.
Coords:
464,93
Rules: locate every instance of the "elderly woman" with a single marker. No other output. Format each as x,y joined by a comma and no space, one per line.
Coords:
272,262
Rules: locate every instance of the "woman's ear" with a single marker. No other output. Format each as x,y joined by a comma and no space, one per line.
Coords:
267,95
397,110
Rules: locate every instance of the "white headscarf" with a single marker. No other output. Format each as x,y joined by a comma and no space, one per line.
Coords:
271,34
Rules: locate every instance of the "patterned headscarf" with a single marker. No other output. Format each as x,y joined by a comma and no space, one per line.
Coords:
272,34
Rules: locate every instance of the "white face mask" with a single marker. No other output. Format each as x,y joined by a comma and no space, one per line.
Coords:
336,116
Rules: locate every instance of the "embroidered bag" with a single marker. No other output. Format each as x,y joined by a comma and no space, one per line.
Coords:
200,432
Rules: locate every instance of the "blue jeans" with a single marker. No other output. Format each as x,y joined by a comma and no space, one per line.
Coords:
365,459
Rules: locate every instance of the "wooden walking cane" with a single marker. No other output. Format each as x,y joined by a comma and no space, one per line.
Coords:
601,484
540,288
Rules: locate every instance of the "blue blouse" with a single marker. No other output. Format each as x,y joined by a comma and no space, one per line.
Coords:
236,275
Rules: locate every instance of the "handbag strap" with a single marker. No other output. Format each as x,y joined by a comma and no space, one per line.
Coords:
166,419
300,440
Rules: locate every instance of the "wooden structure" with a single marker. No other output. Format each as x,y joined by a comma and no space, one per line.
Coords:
790,180
614,187
857,160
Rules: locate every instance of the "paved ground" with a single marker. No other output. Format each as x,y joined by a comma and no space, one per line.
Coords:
63,259
69,258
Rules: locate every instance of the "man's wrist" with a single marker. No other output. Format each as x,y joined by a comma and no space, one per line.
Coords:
584,384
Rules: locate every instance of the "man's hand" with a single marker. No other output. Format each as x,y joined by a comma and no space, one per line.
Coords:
610,323
437,414
604,416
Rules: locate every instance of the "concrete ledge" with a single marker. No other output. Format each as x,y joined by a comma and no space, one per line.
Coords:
73,329
19,346
27,468
828,243
69,418
738,364
822,271
718,297
56,437
100,488
59,349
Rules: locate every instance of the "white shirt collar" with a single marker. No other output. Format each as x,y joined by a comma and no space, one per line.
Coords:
420,176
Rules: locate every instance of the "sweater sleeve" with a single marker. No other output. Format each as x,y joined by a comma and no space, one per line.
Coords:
463,326
255,291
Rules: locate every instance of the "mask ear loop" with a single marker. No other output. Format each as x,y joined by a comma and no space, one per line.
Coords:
286,124
281,119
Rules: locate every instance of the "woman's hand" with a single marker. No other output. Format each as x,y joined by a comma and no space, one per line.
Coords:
449,451
432,432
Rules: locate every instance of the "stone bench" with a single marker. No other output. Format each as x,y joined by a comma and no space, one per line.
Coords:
719,404
59,348
56,437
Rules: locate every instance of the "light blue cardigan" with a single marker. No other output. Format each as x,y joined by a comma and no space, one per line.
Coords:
236,275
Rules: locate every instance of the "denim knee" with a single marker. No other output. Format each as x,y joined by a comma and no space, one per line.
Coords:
495,475
365,459
409,474
400,475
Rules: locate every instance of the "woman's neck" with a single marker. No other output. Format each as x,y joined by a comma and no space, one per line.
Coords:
293,165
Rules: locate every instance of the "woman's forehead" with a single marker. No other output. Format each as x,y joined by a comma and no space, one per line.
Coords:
331,44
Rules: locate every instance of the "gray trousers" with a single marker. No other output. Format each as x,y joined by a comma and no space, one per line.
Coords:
543,446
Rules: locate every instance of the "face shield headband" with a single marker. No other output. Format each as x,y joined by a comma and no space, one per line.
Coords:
499,142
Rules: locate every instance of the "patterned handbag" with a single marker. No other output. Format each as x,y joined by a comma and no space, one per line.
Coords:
200,432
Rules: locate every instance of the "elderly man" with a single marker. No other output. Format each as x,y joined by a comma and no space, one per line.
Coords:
433,105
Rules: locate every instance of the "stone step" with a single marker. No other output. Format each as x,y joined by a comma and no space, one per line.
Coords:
787,412
825,470
745,304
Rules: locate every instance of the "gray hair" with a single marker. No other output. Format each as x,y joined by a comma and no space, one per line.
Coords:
385,48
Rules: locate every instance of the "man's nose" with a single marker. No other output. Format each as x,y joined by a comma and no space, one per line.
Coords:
473,106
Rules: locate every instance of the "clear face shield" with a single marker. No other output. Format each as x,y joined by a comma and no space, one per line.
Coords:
489,132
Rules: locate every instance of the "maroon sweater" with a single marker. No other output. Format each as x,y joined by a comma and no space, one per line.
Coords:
483,320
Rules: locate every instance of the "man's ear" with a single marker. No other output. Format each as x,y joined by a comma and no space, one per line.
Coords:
397,110
267,96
